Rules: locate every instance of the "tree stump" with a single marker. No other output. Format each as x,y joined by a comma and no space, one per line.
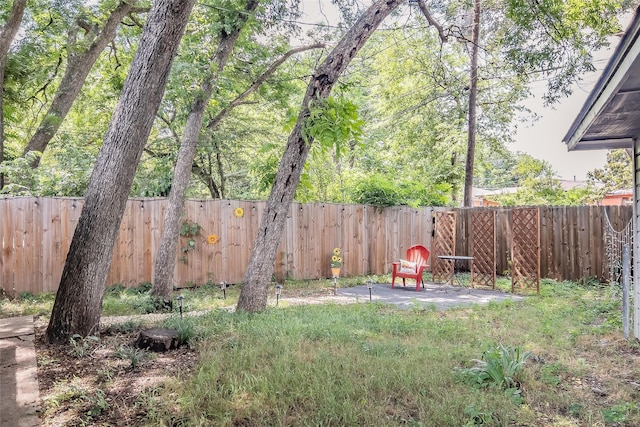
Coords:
158,339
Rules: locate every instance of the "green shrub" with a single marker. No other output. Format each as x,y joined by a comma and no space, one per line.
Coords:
116,288
618,414
26,296
380,190
377,190
500,367
142,288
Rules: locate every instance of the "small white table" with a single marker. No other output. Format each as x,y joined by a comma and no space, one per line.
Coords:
453,259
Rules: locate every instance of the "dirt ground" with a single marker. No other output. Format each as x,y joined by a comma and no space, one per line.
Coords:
95,382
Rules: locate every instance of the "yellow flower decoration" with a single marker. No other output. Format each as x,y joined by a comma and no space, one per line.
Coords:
336,258
212,239
239,212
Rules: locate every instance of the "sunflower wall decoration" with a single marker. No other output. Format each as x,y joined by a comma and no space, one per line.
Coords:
238,212
336,258
336,262
212,239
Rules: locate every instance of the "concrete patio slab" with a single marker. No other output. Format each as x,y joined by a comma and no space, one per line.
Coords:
440,296
19,394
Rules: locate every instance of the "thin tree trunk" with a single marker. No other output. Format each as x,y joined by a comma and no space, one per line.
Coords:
7,33
205,175
473,93
79,298
166,257
253,296
79,65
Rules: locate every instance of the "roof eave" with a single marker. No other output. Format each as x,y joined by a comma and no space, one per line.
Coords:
606,87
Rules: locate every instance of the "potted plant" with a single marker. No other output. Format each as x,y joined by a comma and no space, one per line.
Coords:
336,262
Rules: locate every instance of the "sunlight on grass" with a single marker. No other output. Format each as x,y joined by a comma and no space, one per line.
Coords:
370,364
27,304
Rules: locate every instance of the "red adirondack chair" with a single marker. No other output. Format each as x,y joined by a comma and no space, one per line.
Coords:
412,267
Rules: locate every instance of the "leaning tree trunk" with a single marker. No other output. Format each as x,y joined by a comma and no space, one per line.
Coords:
473,93
7,32
79,65
166,257
253,296
78,301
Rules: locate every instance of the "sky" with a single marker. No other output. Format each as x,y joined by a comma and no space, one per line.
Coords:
543,138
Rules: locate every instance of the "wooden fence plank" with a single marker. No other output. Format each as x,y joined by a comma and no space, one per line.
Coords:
144,252
361,241
247,231
325,241
21,236
69,210
307,251
335,235
546,239
35,246
5,244
48,245
6,237
213,226
597,224
584,236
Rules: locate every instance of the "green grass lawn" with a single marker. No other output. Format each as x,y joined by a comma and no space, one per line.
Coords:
370,364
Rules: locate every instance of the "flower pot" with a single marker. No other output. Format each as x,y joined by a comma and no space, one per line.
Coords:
335,271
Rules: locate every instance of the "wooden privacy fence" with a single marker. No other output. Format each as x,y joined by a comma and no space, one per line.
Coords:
35,234
572,239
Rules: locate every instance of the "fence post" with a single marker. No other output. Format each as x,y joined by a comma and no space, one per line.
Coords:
626,275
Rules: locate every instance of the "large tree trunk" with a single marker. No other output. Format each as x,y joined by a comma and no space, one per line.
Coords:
79,64
7,32
473,93
166,257
253,296
78,301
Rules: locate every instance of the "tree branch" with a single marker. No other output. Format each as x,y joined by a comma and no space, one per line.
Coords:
134,19
431,20
213,123
85,26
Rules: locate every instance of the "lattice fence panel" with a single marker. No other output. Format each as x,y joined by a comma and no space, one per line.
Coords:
444,243
525,249
483,247
614,242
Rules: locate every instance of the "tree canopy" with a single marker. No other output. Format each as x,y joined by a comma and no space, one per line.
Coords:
399,120
408,87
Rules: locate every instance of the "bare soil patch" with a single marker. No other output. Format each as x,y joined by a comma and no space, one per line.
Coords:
94,382
104,383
